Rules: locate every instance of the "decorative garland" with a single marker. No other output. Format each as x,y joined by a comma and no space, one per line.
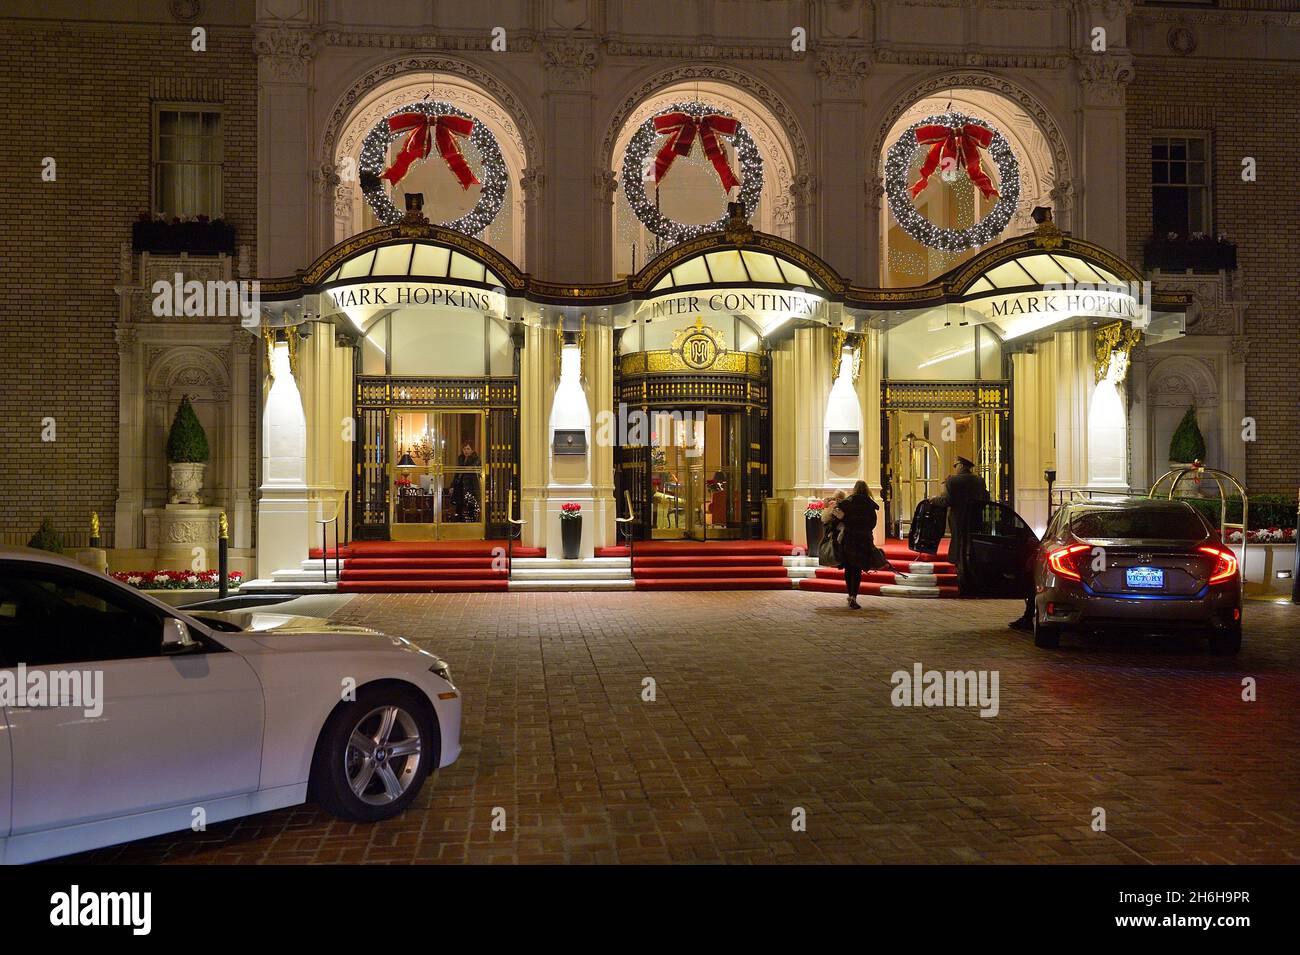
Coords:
968,141
637,158
374,161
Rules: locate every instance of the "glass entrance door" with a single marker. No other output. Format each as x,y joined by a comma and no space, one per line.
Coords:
437,475
696,489
923,446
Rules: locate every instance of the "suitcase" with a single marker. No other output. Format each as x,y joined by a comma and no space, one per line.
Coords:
929,524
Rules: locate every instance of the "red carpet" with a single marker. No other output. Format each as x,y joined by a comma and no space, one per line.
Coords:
425,566
831,579
711,565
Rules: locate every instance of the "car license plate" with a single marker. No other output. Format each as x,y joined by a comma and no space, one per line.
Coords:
1146,577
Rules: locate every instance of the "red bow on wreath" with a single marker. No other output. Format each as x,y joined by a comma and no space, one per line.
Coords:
446,129
962,145
681,130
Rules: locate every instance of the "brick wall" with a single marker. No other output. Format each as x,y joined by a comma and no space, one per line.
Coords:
81,93
1250,109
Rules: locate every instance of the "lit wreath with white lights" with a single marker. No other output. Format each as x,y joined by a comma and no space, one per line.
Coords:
641,150
374,160
898,165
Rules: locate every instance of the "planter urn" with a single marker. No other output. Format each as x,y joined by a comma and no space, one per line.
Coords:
813,528
186,483
571,537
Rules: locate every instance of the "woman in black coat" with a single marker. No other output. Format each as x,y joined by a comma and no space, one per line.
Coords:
857,520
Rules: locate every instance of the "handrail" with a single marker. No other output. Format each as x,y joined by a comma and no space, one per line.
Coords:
1200,470
511,533
341,503
626,528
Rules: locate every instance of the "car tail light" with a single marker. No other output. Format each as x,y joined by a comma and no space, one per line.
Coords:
1225,568
1062,561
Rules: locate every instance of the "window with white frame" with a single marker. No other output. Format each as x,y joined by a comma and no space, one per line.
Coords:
1180,184
187,162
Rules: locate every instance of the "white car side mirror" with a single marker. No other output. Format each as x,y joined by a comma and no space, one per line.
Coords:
176,636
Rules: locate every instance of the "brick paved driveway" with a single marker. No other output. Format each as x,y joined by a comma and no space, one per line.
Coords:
769,701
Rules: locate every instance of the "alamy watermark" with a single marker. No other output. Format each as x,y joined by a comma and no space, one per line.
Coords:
921,687
75,689
215,298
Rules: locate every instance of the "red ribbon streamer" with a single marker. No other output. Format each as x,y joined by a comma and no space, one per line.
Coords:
418,143
682,128
962,146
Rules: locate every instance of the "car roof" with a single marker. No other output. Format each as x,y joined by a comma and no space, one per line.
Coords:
34,555
1132,504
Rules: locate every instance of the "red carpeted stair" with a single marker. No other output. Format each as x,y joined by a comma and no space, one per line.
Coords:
711,565
901,559
424,566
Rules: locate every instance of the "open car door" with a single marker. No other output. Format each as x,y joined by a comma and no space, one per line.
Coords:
1002,548
929,524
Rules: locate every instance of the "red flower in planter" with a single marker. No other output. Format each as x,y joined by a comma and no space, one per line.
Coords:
570,511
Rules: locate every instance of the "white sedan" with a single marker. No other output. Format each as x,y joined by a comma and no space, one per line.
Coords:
123,717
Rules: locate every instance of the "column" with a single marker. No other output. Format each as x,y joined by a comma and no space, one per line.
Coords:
1033,421
128,512
1103,173
599,366
284,147
537,378
240,516
282,511
868,387
570,474
842,232
807,387
570,216
1072,374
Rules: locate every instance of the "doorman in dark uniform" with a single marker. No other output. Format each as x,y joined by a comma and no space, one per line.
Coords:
963,493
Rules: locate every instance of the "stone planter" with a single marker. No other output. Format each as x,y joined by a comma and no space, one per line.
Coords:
186,483
571,537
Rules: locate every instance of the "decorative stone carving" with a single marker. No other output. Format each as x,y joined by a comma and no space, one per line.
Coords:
532,182
1182,41
842,68
1218,310
1240,347
1062,195
570,61
186,11
606,183
284,50
1105,76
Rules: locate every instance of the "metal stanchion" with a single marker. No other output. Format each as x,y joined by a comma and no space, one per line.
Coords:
223,557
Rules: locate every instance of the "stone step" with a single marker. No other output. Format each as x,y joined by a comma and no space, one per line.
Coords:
570,573
570,584
591,563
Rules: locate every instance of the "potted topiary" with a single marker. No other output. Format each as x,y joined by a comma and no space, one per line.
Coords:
571,529
187,455
47,538
1188,444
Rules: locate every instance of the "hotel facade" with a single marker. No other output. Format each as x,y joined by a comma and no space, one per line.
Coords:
425,360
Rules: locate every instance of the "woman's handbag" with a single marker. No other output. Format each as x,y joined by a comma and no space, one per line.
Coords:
828,554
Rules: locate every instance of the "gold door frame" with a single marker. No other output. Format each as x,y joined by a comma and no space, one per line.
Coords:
438,530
